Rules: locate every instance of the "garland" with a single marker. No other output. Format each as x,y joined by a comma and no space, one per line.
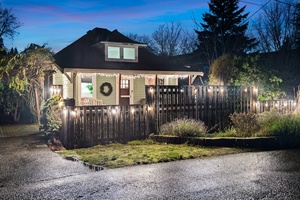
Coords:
110,89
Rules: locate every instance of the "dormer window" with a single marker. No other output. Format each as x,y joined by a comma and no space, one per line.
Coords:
113,52
120,52
129,53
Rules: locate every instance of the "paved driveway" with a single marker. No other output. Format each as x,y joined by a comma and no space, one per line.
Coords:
29,170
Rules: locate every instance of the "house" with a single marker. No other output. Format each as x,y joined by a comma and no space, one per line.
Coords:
106,67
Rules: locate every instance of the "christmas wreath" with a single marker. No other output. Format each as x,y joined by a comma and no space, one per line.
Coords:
102,89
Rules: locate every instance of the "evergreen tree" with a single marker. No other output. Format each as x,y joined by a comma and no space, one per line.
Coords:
297,24
224,30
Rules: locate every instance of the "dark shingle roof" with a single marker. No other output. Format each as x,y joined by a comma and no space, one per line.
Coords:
88,53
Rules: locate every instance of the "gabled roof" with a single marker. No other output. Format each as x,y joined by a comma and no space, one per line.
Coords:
88,52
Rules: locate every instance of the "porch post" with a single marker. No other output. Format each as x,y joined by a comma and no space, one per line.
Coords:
74,87
119,89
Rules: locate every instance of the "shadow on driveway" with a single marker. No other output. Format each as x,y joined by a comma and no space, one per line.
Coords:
25,158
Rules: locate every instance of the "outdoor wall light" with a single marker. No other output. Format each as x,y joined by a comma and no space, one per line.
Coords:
208,90
181,90
151,90
73,113
65,111
113,111
222,89
132,110
150,108
245,89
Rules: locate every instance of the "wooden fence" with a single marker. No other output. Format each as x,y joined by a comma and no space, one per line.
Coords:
84,126
210,104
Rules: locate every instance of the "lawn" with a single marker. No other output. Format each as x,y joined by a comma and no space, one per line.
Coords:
143,152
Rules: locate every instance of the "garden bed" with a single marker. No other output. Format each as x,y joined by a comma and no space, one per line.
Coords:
263,143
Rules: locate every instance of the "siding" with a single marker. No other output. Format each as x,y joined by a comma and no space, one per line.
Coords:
58,78
138,90
111,99
172,81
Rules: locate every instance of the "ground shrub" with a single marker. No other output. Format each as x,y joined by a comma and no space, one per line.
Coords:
184,128
287,125
244,124
50,119
266,120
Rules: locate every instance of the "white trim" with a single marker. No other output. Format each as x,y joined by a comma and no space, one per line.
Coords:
123,43
94,84
113,72
131,90
118,89
121,48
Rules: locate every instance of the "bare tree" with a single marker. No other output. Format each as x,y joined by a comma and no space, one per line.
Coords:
167,38
188,42
275,28
142,39
8,23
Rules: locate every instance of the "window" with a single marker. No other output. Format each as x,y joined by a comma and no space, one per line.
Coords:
124,84
121,53
129,53
86,87
113,52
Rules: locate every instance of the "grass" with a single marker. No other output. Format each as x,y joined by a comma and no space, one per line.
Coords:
143,152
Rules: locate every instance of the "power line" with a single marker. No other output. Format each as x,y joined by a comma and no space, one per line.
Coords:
258,10
287,3
256,4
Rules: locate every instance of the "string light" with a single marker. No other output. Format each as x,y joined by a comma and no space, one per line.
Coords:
134,76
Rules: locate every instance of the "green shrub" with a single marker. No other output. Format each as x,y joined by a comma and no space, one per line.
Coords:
266,120
244,124
50,120
184,128
287,125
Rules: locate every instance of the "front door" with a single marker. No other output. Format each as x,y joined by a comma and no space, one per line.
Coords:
125,92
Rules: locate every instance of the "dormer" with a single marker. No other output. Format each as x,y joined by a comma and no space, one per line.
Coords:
122,52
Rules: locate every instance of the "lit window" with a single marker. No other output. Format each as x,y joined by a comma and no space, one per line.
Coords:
124,84
86,87
113,52
129,53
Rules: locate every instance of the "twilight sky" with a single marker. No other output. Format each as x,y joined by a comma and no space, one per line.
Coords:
61,22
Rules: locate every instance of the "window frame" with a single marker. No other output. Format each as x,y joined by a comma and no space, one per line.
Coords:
121,46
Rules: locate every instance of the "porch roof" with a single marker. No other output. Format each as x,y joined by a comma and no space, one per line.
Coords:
88,54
